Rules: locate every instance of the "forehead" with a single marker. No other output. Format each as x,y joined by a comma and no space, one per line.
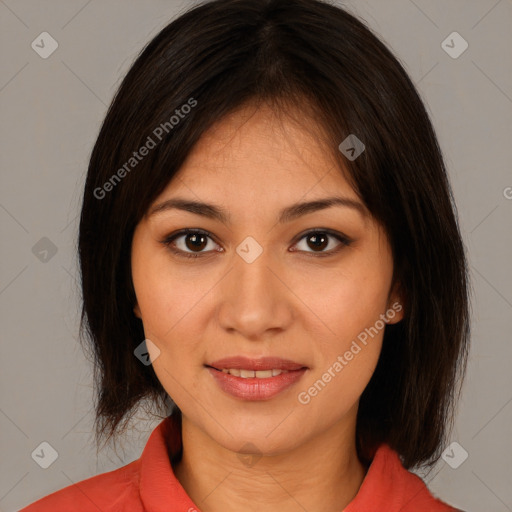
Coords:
258,153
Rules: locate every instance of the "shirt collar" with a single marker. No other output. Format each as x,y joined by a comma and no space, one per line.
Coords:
159,488
387,484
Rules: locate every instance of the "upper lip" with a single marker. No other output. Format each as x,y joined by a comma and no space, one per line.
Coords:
263,363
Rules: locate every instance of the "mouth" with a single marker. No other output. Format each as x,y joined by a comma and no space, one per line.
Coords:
255,379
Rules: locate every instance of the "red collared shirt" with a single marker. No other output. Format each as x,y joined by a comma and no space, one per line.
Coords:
148,484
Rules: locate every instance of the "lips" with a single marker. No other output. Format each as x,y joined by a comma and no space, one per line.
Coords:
255,388
255,379
261,364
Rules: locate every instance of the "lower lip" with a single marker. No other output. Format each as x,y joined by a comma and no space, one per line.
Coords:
253,388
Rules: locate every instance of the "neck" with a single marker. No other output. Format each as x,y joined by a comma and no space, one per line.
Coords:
321,475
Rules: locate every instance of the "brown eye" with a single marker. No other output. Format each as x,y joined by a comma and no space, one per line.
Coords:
319,240
195,241
189,243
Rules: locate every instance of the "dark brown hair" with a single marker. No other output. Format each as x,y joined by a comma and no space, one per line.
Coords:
316,58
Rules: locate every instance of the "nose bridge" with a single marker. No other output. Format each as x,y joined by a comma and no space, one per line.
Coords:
252,275
253,299
252,271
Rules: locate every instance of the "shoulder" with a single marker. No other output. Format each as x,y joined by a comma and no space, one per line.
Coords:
409,489
109,492
389,486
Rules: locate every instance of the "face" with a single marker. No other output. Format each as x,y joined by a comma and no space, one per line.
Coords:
311,287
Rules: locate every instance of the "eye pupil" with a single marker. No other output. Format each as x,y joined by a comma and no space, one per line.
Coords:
319,241
194,238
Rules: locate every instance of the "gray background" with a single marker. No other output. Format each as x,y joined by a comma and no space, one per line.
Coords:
51,110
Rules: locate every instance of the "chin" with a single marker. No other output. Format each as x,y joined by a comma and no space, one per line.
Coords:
268,435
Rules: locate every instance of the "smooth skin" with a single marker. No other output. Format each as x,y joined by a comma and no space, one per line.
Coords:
290,302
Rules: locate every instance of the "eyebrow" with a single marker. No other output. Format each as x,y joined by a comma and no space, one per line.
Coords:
286,214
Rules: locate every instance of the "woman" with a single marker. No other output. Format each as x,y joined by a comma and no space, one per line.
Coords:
268,238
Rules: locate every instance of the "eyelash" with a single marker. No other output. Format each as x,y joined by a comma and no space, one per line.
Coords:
345,241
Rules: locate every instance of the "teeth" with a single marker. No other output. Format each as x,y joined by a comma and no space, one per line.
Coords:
259,374
263,374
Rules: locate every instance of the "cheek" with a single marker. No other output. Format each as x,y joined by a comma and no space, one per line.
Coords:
167,301
347,354
345,303
168,307
356,306
165,294
349,305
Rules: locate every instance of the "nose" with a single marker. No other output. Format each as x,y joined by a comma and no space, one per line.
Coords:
254,298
